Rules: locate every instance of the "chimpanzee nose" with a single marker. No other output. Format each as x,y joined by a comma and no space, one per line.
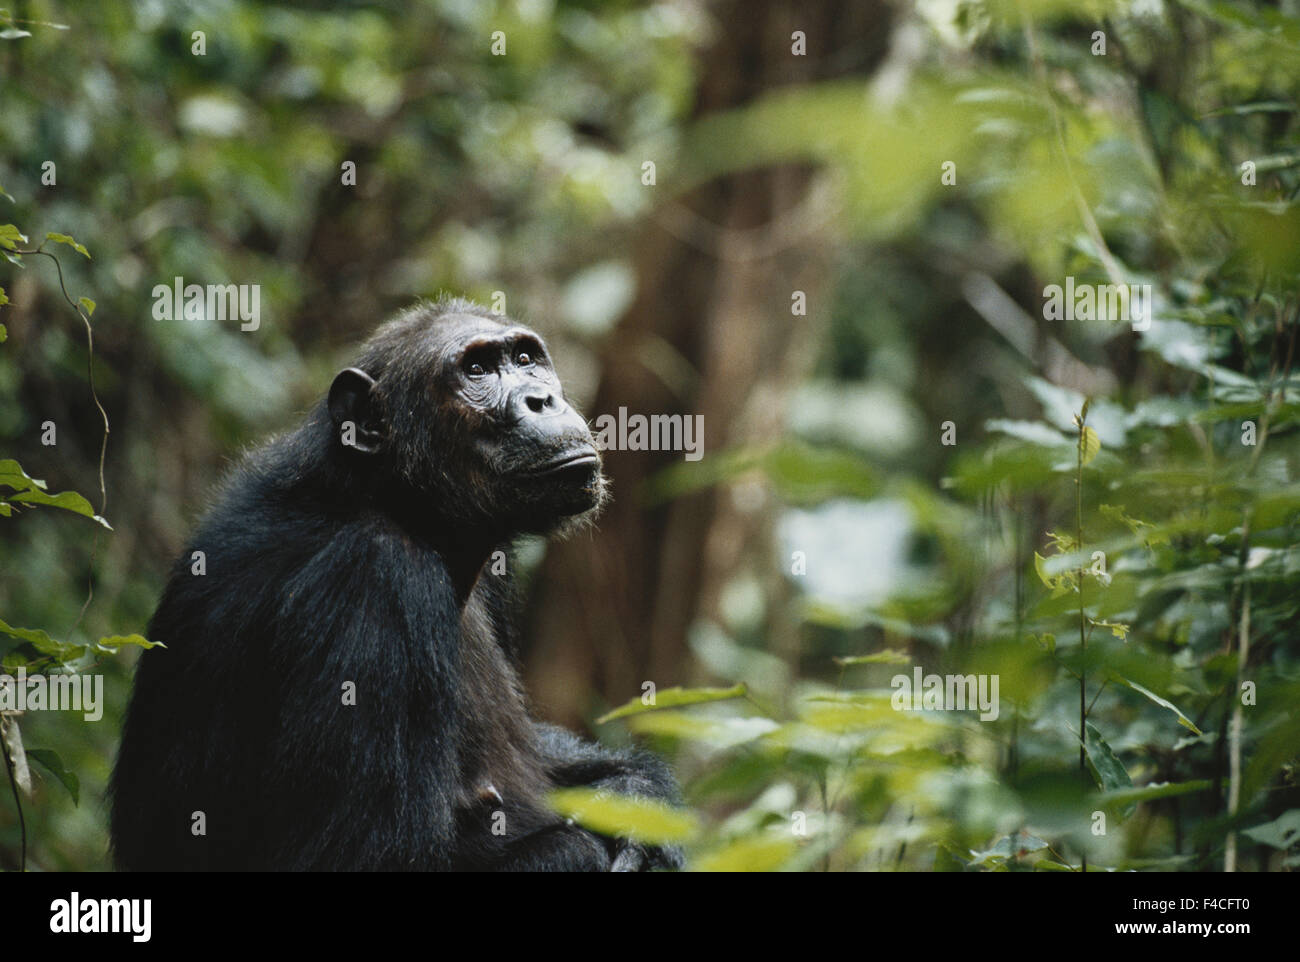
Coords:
541,402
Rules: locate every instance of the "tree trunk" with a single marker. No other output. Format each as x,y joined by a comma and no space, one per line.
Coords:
710,332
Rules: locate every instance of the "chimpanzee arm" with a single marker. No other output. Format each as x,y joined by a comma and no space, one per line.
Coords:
572,762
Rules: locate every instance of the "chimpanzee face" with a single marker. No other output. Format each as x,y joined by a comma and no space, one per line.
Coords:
471,411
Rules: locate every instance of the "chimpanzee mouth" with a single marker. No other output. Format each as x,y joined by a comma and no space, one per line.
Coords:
584,458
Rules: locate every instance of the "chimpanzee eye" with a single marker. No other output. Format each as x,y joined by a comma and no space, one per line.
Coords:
524,359
475,370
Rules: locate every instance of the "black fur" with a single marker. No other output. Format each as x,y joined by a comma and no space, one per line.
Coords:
325,565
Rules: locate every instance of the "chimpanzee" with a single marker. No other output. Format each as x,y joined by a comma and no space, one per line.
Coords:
337,688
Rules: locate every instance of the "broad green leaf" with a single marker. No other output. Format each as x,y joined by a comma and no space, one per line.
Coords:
852,711
674,698
1281,833
88,304
43,643
11,236
65,239
54,765
67,500
764,854
624,816
4,333
1163,703
13,476
1109,771
4,298
714,732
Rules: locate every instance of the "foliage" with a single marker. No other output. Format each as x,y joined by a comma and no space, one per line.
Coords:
1125,565
1113,532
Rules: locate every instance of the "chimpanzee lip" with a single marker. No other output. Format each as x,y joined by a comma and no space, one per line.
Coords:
586,457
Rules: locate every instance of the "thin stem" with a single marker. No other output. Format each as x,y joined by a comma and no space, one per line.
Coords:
1083,634
103,444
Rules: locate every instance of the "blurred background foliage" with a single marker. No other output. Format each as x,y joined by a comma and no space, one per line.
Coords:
829,539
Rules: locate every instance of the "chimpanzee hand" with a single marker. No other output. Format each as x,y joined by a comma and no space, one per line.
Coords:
630,856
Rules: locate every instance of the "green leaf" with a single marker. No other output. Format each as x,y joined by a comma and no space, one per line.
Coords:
14,33
13,476
1048,865
1040,568
1109,771
43,643
1141,529
1182,719
1281,833
116,641
88,304
54,765
763,854
11,237
65,239
624,816
1089,445
1126,796
4,298
716,733
1118,629
4,333
1010,846
674,698
67,500
1059,585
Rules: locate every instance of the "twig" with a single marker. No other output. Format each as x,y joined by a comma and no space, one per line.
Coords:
103,445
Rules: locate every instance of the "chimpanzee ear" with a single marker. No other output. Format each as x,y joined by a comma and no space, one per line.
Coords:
354,411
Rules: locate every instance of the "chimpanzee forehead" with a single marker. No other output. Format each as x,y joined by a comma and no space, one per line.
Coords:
452,332
456,327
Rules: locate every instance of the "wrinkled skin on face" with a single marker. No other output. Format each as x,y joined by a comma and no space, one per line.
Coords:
466,409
